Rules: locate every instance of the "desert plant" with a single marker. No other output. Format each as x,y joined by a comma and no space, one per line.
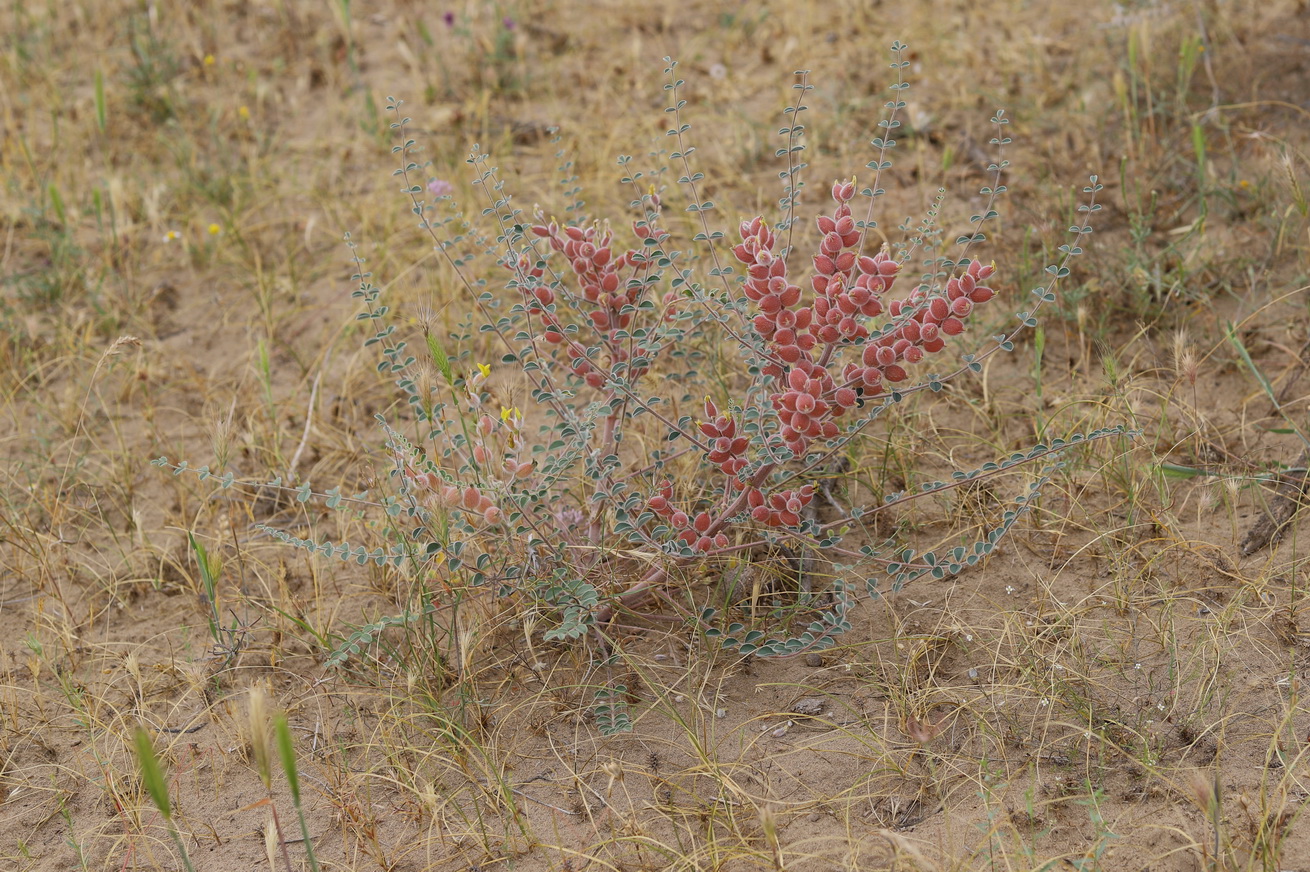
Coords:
152,776
587,520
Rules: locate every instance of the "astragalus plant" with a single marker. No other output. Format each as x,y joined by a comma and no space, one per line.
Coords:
633,460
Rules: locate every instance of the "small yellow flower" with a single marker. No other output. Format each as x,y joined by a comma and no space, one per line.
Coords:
214,230
484,369
172,236
510,413
243,112
209,60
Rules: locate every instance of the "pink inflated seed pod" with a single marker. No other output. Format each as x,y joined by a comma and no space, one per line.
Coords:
471,497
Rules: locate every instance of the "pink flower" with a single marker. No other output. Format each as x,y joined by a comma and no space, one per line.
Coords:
440,188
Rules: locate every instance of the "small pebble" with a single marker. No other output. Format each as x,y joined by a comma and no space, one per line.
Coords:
811,705
814,817
813,659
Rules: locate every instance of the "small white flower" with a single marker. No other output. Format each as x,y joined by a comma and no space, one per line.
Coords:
172,236
1044,703
1137,666
1009,590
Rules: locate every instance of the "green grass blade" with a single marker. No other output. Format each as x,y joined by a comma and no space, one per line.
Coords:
152,775
288,754
102,115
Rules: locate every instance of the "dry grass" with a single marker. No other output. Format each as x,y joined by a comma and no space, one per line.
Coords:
1120,688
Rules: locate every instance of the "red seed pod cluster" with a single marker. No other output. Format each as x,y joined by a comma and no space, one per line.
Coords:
848,288
535,294
495,449
802,408
930,320
779,321
590,252
506,430
727,449
469,498
692,530
781,509
803,344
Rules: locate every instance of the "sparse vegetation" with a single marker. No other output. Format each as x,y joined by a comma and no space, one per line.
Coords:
1117,686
